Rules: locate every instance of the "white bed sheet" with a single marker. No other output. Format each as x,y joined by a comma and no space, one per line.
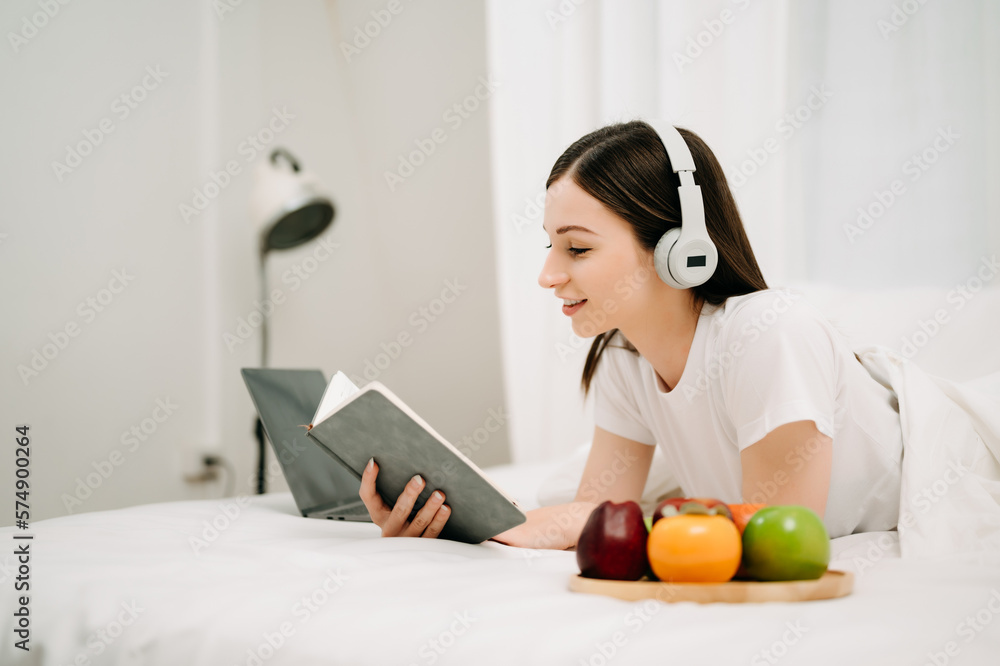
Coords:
418,601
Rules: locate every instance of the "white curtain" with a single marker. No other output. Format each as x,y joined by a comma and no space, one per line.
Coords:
860,137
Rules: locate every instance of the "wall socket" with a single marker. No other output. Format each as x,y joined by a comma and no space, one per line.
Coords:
200,466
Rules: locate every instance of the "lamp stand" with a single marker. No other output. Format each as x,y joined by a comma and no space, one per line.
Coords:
259,426
288,208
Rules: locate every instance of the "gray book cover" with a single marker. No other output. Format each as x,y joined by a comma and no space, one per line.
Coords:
375,423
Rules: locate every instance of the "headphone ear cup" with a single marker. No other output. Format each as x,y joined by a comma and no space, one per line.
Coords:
661,257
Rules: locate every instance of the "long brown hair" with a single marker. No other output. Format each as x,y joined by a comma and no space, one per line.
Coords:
626,168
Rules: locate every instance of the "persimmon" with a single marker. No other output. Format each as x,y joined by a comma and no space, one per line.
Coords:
742,513
692,548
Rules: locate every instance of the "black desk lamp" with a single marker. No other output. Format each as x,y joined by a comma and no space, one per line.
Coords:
289,208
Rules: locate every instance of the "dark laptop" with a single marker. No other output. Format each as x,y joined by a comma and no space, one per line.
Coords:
285,401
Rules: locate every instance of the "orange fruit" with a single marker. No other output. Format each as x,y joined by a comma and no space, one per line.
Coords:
742,513
694,549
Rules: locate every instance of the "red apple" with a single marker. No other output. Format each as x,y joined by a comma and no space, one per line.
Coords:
613,543
676,506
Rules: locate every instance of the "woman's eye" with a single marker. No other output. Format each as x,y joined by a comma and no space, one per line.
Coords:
577,251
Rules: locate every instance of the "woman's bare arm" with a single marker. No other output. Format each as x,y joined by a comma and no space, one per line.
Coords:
791,465
616,470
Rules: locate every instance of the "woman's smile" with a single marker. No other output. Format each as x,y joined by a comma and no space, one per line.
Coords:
571,307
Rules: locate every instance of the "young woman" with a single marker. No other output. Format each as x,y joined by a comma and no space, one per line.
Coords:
751,395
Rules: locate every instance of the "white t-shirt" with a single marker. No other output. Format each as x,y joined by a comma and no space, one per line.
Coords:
757,362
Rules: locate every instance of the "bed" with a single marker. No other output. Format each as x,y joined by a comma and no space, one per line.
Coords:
248,581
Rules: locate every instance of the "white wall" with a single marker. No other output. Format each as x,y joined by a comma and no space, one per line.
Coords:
162,336
65,238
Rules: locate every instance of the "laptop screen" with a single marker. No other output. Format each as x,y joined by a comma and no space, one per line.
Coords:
286,400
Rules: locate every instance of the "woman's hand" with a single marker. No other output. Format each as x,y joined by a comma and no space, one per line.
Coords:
428,522
556,527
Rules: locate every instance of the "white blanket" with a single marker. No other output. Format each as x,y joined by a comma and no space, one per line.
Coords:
159,585
950,491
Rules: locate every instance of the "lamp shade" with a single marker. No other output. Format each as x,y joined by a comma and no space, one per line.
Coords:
288,205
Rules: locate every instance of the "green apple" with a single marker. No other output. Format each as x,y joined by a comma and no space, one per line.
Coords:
785,543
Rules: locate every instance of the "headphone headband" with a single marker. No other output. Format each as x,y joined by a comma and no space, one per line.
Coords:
676,146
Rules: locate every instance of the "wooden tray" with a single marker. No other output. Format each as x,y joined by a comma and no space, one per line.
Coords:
830,585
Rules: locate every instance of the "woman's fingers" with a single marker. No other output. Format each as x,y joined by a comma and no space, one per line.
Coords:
437,524
400,514
425,516
394,521
377,508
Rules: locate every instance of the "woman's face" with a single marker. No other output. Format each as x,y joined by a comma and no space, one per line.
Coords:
594,258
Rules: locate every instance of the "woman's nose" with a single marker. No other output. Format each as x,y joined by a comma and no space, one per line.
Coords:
551,276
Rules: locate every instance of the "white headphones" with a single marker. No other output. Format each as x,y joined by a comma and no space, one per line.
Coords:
685,256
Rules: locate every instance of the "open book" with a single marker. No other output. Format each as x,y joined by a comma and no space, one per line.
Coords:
354,425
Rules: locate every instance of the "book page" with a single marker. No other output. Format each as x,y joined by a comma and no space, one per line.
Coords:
337,391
